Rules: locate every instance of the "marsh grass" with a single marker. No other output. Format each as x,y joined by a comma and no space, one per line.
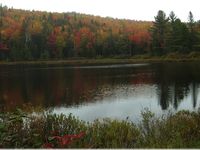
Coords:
21,130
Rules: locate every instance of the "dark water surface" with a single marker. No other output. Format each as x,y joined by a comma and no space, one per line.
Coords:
116,91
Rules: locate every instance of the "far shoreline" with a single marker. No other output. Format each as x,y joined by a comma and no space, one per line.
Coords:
93,61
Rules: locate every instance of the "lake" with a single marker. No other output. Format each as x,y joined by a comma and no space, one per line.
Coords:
114,91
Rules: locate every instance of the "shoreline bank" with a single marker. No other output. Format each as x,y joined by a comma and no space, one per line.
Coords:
83,62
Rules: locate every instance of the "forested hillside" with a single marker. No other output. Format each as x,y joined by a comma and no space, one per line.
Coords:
39,35
33,35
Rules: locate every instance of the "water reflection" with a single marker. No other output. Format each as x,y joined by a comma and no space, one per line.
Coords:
175,82
105,91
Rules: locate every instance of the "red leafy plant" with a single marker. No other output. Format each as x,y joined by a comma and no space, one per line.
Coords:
62,141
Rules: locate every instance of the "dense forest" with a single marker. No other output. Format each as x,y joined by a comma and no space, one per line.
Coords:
36,35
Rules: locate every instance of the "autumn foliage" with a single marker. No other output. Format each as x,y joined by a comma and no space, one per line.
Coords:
32,35
62,141
36,35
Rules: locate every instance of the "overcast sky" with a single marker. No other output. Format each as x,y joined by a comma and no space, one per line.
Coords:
129,9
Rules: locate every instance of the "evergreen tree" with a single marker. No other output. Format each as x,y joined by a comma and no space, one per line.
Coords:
172,17
159,32
177,37
193,34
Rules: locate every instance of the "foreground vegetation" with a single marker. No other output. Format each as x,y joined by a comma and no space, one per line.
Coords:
19,130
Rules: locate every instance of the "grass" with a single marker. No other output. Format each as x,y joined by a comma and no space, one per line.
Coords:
21,130
171,57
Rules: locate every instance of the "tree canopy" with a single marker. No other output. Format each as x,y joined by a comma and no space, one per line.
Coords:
33,35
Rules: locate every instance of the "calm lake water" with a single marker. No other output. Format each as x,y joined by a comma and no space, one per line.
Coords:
115,91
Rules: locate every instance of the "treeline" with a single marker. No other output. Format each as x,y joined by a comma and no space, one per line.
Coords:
33,35
169,34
